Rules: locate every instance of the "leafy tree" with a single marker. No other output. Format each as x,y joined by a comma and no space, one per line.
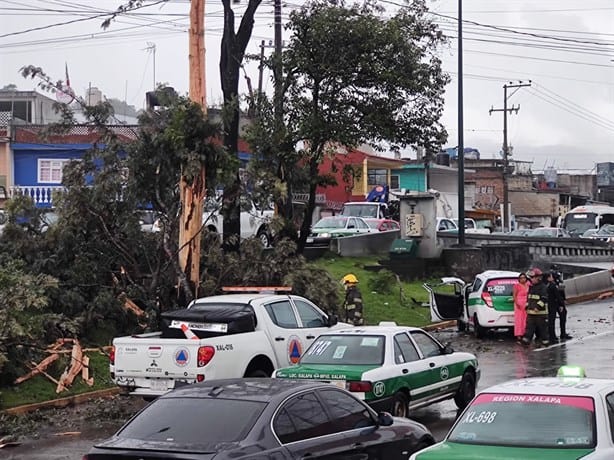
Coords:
9,87
234,43
22,295
384,88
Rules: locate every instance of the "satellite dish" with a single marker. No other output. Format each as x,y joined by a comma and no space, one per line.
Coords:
65,96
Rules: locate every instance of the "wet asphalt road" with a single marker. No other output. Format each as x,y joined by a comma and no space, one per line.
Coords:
591,325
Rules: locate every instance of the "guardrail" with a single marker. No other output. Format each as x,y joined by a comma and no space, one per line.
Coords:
540,250
587,286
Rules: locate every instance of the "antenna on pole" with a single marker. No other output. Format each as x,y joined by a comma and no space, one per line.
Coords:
151,47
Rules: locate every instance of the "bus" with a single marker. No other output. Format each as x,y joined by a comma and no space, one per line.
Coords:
583,218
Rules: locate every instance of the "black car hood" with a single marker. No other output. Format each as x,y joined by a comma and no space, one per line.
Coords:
199,449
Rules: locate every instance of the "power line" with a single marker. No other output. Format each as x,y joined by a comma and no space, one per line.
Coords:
552,101
72,21
506,29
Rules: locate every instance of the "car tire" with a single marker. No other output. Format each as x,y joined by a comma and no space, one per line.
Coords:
264,237
258,374
466,390
479,331
400,405
423,444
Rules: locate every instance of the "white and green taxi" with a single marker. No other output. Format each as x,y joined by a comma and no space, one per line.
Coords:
482,305
392,368
547,418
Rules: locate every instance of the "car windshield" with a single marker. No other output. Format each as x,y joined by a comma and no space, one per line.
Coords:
360,210
526,420
346,350
606,230
331,222
500,287
194,421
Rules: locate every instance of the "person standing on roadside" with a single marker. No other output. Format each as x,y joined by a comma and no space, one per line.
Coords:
353,301
561,307
520,294
554,301
537,309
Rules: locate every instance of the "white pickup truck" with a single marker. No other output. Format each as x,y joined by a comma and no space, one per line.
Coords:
233,335
254,221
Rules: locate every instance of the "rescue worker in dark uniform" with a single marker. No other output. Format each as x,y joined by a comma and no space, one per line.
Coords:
537,308
559,308
554,302
353,301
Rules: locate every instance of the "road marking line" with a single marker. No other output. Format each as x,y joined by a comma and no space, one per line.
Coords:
581,339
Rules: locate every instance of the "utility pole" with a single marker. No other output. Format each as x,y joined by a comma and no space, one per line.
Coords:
506,167
278,67
193,193
461,138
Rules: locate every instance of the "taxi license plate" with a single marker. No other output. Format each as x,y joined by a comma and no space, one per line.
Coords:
309,240
161,385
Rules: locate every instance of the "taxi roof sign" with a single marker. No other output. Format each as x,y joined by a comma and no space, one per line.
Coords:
571,371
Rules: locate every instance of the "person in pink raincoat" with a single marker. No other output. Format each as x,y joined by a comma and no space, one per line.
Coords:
521,290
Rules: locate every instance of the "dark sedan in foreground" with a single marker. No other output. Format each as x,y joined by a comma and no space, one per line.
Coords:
262,419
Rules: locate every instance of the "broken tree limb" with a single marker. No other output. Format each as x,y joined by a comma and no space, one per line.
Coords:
46,375
85,371
38,368
73,370
134,308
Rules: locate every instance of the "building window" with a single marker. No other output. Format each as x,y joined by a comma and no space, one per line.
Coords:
377,177
18,109
394,182
50,171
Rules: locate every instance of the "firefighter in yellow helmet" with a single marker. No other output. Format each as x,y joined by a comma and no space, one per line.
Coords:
353,301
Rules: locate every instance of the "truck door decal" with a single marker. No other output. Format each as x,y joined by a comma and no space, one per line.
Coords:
295,349
182,357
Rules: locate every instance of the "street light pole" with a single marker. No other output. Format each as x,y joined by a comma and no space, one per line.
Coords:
461,139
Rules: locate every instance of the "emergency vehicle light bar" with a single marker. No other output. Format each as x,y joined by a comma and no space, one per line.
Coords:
259,289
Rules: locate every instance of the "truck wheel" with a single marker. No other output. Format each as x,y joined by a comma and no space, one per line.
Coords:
258,373
400,405
264,238
466,390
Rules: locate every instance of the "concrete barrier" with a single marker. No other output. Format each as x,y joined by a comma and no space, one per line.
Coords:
590,285
364,244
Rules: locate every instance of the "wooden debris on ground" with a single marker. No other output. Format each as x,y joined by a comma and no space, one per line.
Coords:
8,442
38,368
79,364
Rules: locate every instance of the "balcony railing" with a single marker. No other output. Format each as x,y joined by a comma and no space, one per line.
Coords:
42,195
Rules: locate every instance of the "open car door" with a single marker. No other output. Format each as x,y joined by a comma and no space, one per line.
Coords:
446,306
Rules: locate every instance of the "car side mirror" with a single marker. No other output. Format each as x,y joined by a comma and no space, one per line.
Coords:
447,349
331,320
384,419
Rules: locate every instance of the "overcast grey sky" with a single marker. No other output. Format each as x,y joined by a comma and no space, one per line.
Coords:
565,47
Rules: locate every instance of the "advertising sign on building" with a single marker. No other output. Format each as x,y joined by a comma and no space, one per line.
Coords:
605,174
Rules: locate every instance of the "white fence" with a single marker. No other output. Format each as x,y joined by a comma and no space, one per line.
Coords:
41,195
